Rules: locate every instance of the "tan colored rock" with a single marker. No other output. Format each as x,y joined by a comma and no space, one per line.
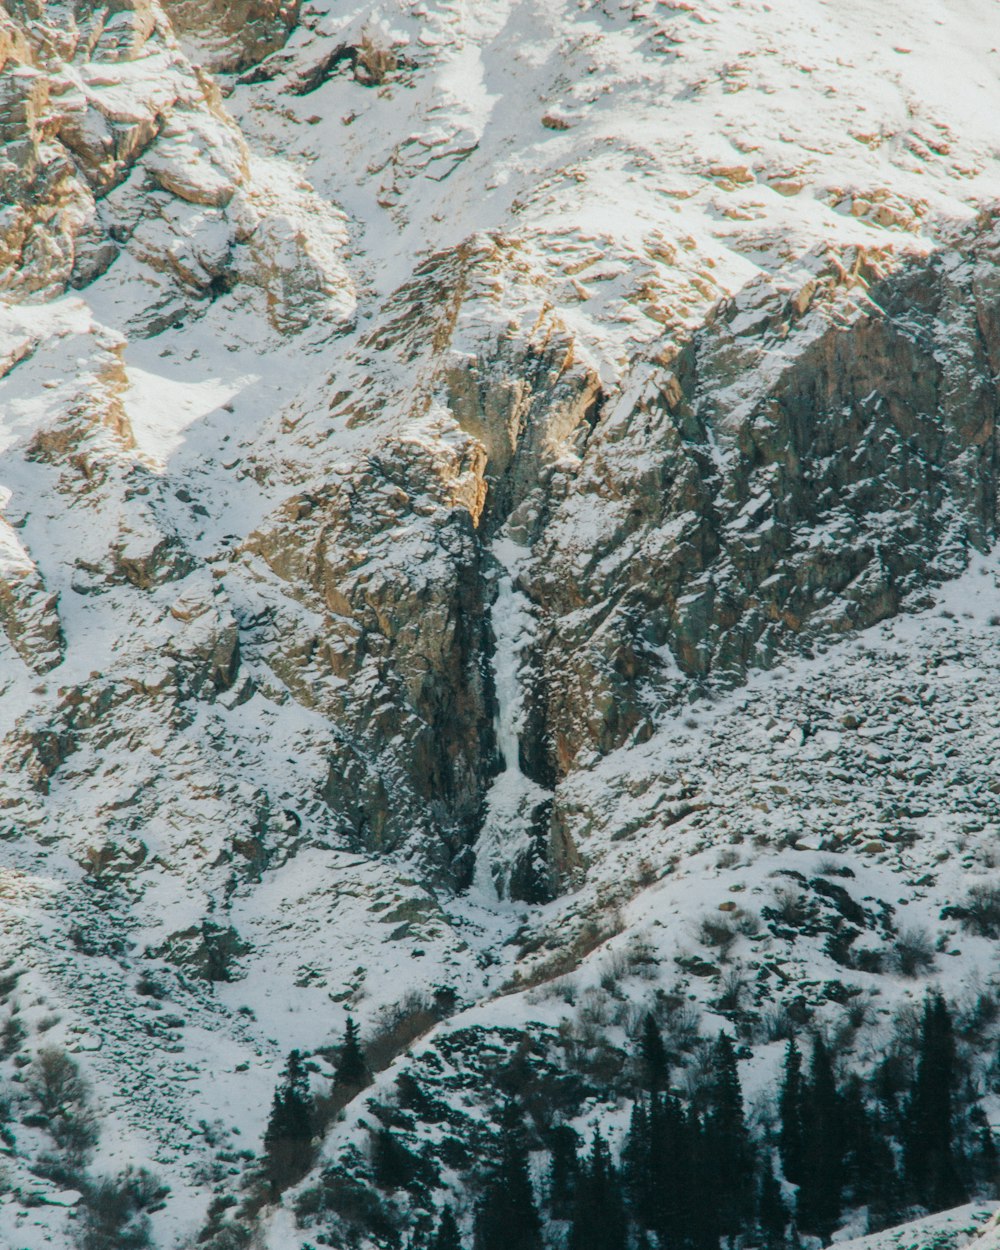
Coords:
28,613
230,37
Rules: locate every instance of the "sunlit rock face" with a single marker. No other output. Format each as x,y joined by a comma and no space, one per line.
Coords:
482,488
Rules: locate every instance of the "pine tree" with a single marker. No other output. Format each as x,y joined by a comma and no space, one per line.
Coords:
447,1236
727,1146
351,1070
564,1170
772,1214
822,1179
869,1164
392,1164
289,1133
676,1174
710,1199
637,1164
655,1065
599,1216
984,1158
931,1171
790,1111
508,1218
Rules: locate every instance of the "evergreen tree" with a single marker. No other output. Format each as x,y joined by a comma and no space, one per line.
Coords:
711,1199
564,1170
822,1180
637,1164
660,1166
869,1164
447,1236
726,1141
931,1171
507,1218
351,1070
655,1065
677,1172
985,1159
599,1216
289,1133
772,1214
392,1164
790,1111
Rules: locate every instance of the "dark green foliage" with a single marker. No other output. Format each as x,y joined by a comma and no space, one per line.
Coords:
447,1236
822,1176
928,1148
791,1112
667,1174
599,1221
11,1035
564,1170
985,1162
508,1218
393,1165
690,1175
351,1070
869,1164
726,1147
655,1066
289,1134
772,1214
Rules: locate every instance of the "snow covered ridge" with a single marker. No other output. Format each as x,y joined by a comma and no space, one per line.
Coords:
346,344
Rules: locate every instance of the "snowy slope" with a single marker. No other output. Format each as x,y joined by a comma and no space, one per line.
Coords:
343,426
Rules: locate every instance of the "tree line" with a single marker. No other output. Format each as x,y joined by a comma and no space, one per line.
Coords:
691,1172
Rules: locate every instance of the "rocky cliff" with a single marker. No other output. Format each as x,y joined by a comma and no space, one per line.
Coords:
482,483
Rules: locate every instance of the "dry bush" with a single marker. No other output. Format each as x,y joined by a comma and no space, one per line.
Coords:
398,1027
912,952
980,913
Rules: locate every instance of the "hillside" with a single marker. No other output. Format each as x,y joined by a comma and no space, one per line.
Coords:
498,543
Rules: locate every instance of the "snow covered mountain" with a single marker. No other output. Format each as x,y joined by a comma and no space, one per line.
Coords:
499,502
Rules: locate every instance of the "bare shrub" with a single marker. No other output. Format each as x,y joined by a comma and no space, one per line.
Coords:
682,1027
747,923
777,1025
115,1211
980,913
595,1008
374,59
790,906
398,1027
718,932
732,987
912,952
62,1094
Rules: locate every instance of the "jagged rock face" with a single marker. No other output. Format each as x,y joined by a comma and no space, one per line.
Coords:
113,142
813,460
286,466
395,651
232,37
